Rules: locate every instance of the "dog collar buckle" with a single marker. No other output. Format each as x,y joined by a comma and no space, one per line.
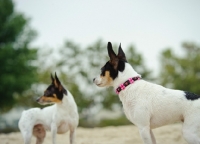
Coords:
126,83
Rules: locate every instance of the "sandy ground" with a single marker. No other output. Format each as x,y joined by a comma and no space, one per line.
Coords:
170,134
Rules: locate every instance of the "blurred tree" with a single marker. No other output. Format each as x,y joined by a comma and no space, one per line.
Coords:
181,71
17,70
77,67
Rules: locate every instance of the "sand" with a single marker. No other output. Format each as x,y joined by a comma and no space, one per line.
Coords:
170,134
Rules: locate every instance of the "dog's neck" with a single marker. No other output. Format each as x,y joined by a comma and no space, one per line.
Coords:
64,102
128,72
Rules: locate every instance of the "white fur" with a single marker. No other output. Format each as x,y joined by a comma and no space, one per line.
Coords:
58,118
149,106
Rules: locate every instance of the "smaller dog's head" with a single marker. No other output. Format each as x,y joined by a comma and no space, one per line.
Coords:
54,92
111,69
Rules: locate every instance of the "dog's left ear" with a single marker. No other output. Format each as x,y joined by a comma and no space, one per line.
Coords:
121,54
113,57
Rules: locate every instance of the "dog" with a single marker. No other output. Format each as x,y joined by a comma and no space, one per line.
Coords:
59,118
148,105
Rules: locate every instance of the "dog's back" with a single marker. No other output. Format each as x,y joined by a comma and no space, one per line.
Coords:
35,116
163,105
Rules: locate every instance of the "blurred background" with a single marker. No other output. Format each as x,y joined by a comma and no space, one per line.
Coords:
161,40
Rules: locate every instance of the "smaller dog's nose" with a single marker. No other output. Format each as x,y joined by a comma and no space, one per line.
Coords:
93,79
37,100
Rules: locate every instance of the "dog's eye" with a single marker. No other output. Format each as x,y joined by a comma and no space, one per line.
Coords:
47,93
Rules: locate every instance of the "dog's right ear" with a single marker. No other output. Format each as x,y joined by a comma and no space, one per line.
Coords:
113,57
121,54
57,82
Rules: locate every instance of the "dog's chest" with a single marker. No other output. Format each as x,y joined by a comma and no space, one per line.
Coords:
128,106
63,127
63,121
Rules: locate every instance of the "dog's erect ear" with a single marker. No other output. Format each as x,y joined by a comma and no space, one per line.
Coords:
113,57
58,84
56,81
121,54
111,53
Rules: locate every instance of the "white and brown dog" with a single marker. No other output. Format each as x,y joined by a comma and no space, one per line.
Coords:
149,105
59,118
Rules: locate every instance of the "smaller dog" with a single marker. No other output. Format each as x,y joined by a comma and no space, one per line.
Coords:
58,118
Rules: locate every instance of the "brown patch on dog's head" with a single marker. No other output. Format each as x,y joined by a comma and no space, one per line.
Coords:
54,93
106,79
49,99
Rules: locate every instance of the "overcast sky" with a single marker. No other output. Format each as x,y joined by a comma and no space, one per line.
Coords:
150,26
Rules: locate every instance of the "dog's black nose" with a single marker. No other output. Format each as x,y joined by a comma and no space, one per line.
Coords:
93,79
37,100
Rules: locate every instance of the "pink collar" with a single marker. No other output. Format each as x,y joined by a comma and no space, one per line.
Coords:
126,83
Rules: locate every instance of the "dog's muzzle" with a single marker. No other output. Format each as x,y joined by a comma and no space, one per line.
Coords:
95,81
38,99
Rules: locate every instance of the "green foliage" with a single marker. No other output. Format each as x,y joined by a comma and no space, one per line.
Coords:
181,71
17,71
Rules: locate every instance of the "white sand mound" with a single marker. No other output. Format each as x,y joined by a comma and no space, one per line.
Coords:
170,134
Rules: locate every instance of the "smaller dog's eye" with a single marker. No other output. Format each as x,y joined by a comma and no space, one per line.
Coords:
46,93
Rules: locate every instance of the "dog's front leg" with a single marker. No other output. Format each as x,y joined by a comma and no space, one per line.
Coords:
147,135
141,118
72,136
152,137
53,132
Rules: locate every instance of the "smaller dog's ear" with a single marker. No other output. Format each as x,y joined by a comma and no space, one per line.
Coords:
121,54
113,57
58,84
56,81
